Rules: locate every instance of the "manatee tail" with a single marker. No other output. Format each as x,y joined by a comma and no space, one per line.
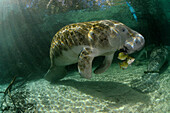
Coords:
55,73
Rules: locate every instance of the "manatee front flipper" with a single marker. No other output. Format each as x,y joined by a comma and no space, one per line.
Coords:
105,65
85,63
55,73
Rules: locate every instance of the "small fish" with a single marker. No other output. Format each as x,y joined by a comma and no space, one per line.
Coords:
123,65
132,11
130,60
122,56
127,60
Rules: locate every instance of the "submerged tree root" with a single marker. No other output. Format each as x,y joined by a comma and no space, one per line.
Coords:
7,92
15,101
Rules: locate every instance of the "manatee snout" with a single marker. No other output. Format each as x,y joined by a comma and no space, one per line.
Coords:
135,43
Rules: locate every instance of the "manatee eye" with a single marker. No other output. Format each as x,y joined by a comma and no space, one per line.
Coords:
123,30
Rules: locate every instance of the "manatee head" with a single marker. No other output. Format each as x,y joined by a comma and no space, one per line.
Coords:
130,40
134,43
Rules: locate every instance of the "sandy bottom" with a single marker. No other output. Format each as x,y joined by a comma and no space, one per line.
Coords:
107,92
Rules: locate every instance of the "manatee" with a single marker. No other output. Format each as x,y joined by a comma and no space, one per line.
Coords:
82,42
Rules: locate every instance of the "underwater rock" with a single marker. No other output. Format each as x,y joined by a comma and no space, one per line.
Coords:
157,58
81,42
149,81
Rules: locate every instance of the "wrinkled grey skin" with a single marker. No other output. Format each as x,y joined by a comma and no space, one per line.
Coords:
149,81
82,42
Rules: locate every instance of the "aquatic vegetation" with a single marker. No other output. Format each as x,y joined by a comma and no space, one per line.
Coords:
7,92
58,6
145,52
15,100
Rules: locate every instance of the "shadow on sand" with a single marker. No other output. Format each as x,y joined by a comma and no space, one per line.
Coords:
111,91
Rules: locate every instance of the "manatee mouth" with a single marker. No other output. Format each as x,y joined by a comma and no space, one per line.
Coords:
136,43
124,49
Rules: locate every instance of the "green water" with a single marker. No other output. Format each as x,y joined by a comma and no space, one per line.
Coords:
26,31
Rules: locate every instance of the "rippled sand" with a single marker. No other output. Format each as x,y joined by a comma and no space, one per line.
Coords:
107,92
